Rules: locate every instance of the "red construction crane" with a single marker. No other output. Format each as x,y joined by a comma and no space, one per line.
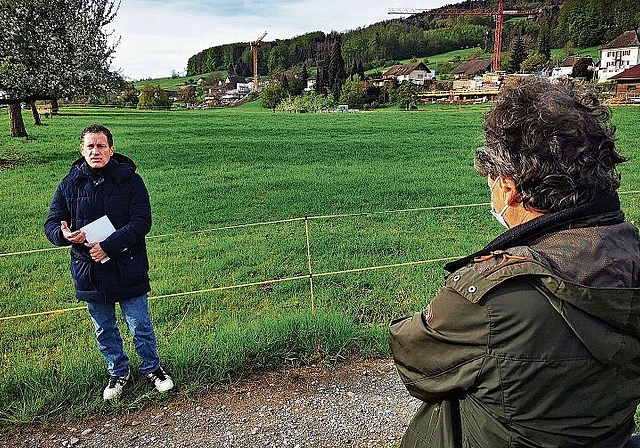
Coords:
499,15
255,45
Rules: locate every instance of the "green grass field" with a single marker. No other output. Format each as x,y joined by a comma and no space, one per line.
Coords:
234,194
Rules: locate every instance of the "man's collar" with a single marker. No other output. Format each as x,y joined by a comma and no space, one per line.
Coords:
604,209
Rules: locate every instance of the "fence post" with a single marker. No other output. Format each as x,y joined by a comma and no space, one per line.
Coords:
306,228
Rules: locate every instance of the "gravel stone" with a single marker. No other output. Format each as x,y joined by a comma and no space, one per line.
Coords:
357,404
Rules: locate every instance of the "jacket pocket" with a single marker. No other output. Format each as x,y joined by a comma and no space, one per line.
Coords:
81,273
133,268
435,425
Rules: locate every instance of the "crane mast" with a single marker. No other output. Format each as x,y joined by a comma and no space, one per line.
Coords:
255,45
497,39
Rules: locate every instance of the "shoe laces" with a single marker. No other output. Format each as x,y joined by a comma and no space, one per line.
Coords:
159,374
113,380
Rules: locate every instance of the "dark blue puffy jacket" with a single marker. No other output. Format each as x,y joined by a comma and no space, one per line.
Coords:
85,195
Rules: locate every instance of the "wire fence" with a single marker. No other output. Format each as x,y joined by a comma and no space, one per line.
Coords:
310,275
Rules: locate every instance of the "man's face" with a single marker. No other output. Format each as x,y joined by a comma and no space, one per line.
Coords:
96,150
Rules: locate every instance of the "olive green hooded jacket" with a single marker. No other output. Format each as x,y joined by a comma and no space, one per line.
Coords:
533,341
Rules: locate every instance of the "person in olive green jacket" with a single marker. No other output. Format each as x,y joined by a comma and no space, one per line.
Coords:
534,341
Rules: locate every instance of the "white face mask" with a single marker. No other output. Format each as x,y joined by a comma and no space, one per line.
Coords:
499,216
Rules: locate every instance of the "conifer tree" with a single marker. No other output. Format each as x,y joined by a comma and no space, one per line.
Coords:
357,69
336,71
284,83
319,79
361,69
323,83
518,55
544,41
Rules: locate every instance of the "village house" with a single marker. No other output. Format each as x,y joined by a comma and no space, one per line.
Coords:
475,76
415,72
244,88
565,68
171,94
217,89
628,85
470,69
620,54
236,88
311,85
232,89
232,81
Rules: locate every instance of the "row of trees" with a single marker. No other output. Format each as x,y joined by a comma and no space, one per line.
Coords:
354,92
372,46
592,22
50,49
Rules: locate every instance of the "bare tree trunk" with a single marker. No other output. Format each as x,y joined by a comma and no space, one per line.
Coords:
16,123
54,107
36,115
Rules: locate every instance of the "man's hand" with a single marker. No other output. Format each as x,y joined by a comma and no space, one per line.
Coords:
96,252
73,237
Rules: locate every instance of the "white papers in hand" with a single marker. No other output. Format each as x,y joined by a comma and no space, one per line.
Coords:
98,230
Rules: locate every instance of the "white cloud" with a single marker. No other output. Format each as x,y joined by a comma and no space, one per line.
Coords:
158,36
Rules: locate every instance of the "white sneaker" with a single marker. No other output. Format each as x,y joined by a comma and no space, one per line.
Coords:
115,386
160,379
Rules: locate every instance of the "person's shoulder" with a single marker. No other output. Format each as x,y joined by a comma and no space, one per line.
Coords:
72,176
484,273
125,172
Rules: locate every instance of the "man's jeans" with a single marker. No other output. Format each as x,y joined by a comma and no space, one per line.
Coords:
136,313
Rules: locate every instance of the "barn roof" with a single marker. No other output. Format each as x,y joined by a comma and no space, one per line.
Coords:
405,69
472,67
571,60
233,79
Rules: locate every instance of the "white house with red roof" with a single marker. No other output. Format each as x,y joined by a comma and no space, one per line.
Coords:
620,54
416,72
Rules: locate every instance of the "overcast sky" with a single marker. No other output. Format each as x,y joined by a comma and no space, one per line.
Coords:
158,36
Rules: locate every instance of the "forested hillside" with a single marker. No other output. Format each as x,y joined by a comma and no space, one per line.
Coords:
577,23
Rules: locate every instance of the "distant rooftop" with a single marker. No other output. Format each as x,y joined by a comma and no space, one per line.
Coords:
630,73
472,67
626,39
405,69
571,60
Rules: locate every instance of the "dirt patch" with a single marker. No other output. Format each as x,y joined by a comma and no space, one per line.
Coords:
357,404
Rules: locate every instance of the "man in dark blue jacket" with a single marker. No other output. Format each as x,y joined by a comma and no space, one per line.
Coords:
116,269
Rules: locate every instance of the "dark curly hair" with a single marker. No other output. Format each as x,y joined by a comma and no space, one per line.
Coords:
554,140
97,129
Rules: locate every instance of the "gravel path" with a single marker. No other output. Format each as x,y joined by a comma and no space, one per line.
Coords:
362,404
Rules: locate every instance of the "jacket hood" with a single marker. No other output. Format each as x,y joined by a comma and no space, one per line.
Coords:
604,210
597,287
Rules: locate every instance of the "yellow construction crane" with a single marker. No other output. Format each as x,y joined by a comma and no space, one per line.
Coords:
255,45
